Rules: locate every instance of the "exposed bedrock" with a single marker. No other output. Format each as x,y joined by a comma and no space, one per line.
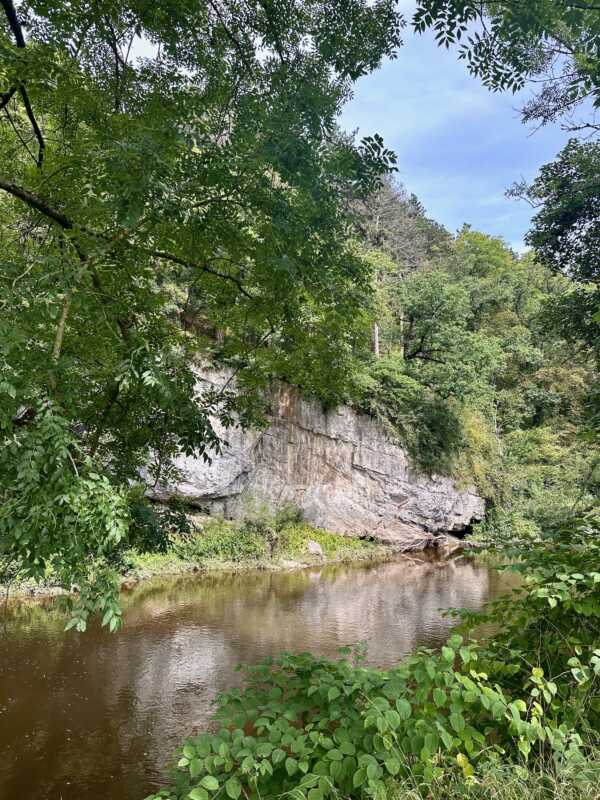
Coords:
338,466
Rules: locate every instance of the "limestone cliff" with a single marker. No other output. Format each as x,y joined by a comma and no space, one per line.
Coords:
338,466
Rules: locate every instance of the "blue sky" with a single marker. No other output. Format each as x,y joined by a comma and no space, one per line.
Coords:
459,146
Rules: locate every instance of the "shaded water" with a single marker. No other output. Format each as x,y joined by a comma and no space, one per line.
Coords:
97,715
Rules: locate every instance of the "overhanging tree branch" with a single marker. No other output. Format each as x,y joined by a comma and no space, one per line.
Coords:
6,97
162,254
34,125
66,223
15,26
38,203
13,21
231,37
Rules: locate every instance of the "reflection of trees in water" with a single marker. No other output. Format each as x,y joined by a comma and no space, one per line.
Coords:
126,700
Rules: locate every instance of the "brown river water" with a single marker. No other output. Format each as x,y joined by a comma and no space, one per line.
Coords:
96,716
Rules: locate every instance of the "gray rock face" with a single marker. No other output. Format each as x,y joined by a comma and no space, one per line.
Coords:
338,466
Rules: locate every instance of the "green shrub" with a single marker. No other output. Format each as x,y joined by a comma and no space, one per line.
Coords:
294,538
222,541
152,525
261,516
316,728
262,535
511,782
479,461
311,728
544,478
288,514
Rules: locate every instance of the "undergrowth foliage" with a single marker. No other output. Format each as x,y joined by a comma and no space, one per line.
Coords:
57,513
311,728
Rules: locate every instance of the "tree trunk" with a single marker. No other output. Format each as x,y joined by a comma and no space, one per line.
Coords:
376,339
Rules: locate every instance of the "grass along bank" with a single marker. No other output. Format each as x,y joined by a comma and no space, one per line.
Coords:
168,540
216,544
511,783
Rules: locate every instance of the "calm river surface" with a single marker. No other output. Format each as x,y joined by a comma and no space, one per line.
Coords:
96,716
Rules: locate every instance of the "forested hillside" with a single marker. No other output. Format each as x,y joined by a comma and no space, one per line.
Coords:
474,369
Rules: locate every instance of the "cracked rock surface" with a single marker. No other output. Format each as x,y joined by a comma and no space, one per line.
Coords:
338,466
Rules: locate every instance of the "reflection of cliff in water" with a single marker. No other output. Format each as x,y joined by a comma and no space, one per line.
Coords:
97,715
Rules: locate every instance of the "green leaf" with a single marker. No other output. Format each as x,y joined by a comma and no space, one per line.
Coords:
196,767
404,708
233,788
439,697
448,654
291,766
457,721
210,783
393,766
446,738
359,778
198,794
393,719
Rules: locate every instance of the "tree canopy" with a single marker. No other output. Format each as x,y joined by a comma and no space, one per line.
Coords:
162,163
565,236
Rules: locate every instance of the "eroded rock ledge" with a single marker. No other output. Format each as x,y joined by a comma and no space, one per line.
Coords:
338,466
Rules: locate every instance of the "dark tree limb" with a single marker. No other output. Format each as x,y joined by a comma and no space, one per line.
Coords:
6,97
66,223
267,7
41,205
38,203
120,65
34,125
231,37
162,254
13,21
15,26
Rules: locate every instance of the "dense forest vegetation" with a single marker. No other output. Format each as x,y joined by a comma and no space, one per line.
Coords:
477,374
199,203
